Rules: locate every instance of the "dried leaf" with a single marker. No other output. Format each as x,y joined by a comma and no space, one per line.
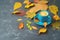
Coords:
26,2
19,20
53,9
56,25
42,30
17,5
56,17
30,15
30,28
21,25
35,28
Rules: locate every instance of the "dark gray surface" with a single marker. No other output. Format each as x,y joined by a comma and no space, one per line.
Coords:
8,25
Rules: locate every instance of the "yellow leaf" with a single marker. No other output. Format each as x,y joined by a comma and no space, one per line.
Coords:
26,1
19,20
34,27
14,12
42,30
53,9
56,17
56,25
30,15
17,5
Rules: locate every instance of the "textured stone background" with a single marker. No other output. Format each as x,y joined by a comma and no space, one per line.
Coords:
8,25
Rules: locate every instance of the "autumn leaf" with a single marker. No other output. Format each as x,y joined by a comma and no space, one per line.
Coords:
17,5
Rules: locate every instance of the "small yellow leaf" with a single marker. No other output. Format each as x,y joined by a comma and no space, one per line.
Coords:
34,27
15,12
30,15
56,17
19,20
56,25
17,5
42,30
30,28
53,9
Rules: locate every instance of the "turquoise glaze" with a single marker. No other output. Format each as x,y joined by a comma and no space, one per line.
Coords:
43,19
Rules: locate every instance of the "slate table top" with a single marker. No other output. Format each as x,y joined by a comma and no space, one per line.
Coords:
10,31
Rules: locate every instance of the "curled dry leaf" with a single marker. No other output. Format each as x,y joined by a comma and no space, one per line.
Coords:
19,20
56,17
42,30
53,9
17,5
56,25
35,28
21,25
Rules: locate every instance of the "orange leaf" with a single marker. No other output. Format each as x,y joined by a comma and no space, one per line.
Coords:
21,25
35,28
